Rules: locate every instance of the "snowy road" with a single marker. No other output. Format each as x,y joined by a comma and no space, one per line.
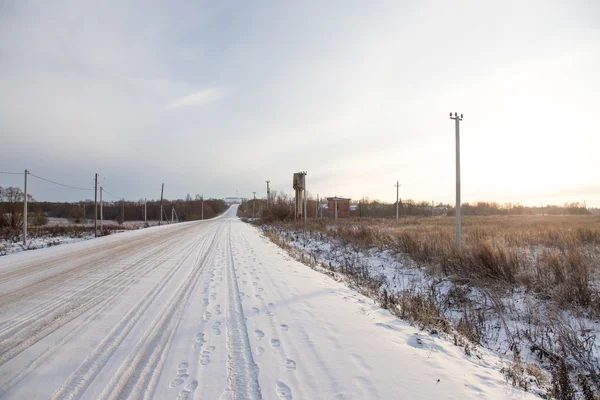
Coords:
210,310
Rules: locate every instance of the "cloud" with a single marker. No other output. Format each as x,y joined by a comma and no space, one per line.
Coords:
200,98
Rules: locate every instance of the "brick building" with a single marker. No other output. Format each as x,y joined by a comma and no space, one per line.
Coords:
343,207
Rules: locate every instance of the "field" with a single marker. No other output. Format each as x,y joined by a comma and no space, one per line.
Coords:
60,231
525,286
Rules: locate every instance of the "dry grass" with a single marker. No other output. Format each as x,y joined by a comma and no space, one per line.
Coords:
554,256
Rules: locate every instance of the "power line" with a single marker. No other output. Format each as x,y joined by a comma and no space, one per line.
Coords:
12,173
60,184
107,192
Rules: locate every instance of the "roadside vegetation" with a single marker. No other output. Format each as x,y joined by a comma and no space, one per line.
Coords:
55,222
526,286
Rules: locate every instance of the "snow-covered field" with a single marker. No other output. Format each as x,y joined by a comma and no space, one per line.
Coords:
502,319
211,310
40,242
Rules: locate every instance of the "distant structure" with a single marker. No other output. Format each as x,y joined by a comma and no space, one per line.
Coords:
233,200
343,207
300,190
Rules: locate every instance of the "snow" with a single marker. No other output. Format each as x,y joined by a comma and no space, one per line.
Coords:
212,310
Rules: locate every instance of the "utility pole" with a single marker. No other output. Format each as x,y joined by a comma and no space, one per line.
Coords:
202,206
268,195
253,204
335,209
101,216
162,190
172,210
96,206
145,211
457,120
305,200
25,212
123,210
397,199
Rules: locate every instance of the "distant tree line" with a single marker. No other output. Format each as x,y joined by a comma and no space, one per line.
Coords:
188,209
282,208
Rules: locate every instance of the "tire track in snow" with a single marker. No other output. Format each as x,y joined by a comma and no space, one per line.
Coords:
7,384
44,291
120,288
138,375
50,308
24,335
87,257
242,371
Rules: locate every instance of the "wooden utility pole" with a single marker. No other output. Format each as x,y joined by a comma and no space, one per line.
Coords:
25,211
162,190
96,206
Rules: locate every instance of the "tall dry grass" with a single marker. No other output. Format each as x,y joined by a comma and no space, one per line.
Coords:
555,256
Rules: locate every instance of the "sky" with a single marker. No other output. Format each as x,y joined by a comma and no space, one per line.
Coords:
215,98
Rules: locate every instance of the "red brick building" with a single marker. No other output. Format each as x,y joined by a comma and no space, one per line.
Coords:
343,207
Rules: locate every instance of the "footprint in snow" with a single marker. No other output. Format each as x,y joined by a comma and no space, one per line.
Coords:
186,392
284,327
206,317
290,365
274,342
283,391
182,368
259,334
217,328
199,340
255,310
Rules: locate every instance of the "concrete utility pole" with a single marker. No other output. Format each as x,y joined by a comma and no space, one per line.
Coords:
253,204
305,206
202,206
101,216
397,199
96,206
268,195
335,209
25,211
162,190
457,120
172,213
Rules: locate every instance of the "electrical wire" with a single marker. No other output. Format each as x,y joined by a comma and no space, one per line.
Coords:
12,173
107,192
60,184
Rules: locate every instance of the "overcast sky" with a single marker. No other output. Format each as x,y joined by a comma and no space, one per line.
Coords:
218,96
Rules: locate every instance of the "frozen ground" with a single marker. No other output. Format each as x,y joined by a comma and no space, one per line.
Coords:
211,310
9,247
40,242
525,320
